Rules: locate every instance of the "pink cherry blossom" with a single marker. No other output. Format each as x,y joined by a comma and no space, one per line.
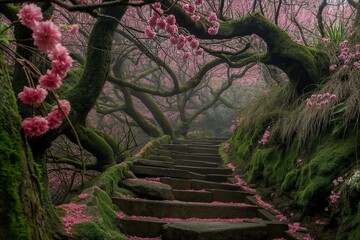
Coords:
326,40
195,18
180,45
74,29
156,5
199,51
332,67
54,119
83,196
35,126
186,55
194,43
212,18
152,21
61,65
161,23
190,38
171,29
29,15
149,32
173,40
46,35
59,51
171,20
213,30
33,95
65,105
50,81
191,9
265,137
182,38
199,2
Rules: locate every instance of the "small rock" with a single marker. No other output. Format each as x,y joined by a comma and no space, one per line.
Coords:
149,189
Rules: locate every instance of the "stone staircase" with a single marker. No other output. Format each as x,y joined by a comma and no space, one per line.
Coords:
204,205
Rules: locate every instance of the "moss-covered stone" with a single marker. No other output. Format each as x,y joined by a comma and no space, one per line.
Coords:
92,231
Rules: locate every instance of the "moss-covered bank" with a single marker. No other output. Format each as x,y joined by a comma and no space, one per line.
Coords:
104,223
303,173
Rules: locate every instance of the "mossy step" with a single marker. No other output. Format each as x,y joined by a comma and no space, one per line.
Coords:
183,184
218,178
200,158
223,230
154,163
196,163
152,228
205,170
193,196
161,158
161,152
214,231
189,149
210,195
170,209
141,171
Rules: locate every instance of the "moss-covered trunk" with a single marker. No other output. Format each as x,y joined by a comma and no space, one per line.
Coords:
22,215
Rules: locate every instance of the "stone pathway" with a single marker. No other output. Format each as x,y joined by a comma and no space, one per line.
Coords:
184,193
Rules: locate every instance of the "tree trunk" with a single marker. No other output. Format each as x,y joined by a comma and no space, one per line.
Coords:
22,215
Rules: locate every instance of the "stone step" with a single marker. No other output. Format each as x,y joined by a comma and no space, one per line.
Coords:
205,170
196,163
161,152
152,228
193,196
214,231
201,158
174,209
145,171
218,178
183,184
212,195
191,149
154,163
161,158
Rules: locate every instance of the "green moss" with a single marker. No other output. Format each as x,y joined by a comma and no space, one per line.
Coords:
106,209
290,181
92,231
12,162
109,180
147,149
329,161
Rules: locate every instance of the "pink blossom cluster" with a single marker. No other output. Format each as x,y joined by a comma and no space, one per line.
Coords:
191,9
236,123
172,220
267,205
38,125
157,22
337,181
83,196
296,227
231,166
334,197
46,37
240,182
74,215
320,100
347,56
141,238
226,147
265,138
215,24
326,41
